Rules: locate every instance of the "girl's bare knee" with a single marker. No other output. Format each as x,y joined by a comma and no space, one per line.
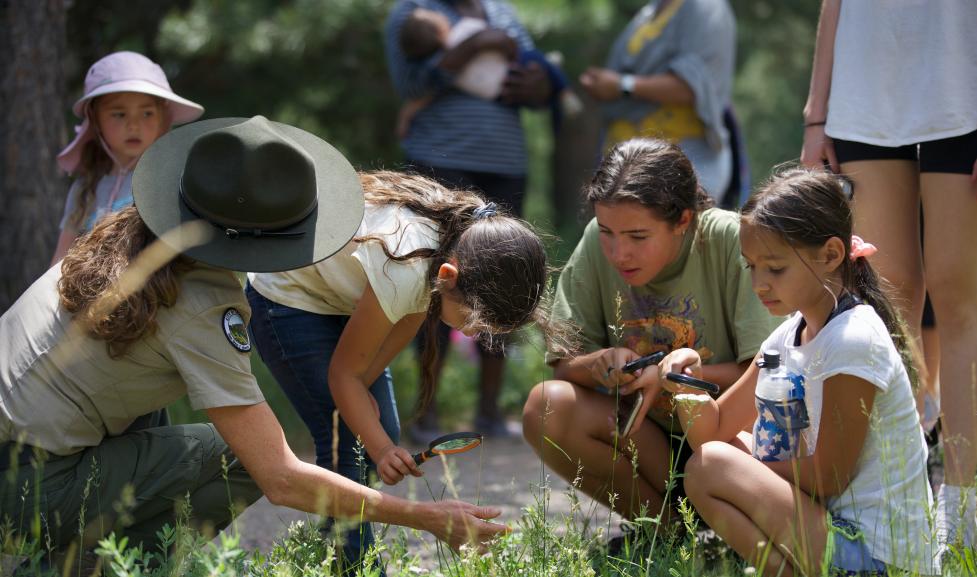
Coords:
546,407
704,468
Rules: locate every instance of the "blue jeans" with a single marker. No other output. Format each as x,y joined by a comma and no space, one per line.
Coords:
297,347
850,555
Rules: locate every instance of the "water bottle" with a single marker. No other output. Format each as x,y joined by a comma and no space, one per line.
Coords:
781,412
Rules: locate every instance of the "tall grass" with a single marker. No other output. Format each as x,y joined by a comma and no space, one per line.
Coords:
571,544
543,543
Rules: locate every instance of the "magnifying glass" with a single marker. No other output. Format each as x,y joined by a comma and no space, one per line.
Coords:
693,382
449,445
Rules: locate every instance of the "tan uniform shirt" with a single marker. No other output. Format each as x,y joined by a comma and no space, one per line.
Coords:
67,395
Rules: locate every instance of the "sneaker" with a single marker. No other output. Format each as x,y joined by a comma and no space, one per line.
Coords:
635,540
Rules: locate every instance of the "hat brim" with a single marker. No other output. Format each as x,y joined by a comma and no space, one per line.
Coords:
156,192
181,109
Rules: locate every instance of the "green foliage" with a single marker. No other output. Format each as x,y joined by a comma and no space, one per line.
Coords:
574,543
318,65
540,545
774,54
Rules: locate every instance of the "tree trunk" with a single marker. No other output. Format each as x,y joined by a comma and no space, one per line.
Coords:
32,112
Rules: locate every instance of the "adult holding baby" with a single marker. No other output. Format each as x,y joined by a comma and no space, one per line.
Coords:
467,142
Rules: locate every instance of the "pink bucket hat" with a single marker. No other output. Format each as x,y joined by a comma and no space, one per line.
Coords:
123,72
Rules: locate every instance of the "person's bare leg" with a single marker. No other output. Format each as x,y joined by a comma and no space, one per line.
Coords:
886,211
570,428
950,209
428,420
786,526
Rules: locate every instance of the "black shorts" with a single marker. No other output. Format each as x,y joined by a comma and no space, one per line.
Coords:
949,155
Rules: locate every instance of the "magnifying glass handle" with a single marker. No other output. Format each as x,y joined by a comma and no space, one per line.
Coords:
421,457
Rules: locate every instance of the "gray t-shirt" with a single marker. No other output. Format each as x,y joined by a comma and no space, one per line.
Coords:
64,394
695,40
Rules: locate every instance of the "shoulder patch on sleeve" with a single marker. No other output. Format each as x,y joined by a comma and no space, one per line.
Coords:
235,330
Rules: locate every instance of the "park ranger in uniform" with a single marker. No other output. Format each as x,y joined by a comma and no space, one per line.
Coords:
96,349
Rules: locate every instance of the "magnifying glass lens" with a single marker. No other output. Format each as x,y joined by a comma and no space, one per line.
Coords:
457,445
449,444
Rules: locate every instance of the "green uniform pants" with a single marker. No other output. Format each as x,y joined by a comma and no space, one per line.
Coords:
133,482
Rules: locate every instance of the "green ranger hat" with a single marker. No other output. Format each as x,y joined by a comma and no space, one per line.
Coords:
276,197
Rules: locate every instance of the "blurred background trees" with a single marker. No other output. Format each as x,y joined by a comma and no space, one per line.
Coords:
319,64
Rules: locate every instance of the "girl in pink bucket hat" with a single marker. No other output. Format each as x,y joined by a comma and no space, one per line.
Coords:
126,106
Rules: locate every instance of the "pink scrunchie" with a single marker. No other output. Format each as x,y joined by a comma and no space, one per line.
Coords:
860,248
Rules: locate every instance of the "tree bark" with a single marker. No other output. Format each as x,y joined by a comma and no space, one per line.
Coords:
32,41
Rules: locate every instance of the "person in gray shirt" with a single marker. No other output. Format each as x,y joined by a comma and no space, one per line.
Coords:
669,75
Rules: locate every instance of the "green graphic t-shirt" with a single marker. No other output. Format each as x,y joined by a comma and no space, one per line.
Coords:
702,300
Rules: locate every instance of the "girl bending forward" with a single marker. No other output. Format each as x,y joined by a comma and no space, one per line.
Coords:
423,254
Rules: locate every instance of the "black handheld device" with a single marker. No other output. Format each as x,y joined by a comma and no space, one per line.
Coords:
640,363
629,404
686,380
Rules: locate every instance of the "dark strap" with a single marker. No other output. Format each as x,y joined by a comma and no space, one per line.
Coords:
21,457
846,302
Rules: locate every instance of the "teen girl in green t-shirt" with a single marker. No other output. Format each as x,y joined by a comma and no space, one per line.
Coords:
656,270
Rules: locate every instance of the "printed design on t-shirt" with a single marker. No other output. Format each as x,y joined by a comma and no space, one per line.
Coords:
777,431
236,331
652,323
671,122
651,29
